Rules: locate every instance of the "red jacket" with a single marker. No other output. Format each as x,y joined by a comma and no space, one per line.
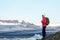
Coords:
43,22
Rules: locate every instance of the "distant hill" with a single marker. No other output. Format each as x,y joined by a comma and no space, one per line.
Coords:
55,36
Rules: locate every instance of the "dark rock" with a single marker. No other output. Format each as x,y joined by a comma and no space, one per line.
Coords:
55,36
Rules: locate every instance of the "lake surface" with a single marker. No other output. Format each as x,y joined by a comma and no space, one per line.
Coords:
11,31
36,36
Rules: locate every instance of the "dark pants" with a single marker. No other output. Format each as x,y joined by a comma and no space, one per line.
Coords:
44,31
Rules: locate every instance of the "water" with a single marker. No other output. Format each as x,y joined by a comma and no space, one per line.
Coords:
17,39
36,36
11,31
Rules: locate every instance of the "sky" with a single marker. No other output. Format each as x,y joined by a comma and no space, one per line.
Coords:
30,10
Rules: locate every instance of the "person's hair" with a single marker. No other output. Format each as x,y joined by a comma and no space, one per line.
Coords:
43,15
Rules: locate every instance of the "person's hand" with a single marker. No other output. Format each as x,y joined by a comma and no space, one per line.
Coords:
41,21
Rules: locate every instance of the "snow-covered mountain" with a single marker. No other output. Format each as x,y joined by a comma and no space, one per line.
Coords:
27,26
55,27
21,26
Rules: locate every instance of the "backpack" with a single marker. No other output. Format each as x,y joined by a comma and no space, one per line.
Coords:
47,19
